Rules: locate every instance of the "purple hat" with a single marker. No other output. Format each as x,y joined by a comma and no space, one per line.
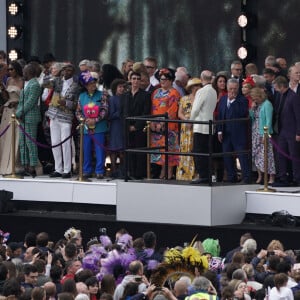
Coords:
86,77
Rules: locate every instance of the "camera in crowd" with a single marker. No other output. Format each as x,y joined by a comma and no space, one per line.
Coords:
103,231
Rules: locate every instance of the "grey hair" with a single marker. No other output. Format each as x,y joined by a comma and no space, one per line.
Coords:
201,283
233,80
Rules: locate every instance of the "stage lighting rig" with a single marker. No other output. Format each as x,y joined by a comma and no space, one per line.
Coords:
14,8
14,32
14,54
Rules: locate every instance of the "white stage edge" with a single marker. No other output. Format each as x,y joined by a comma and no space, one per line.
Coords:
59,190
266,203
158,202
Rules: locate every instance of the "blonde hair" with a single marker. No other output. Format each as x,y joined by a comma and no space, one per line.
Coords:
275,245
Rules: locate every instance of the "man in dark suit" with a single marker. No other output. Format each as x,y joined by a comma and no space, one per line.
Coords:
287,109
233,135
136,103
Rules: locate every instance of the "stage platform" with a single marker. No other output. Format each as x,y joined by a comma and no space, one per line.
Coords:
155,201
176,211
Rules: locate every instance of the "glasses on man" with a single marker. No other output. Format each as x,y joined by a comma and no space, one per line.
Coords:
239,70
10,69
135,78
149,67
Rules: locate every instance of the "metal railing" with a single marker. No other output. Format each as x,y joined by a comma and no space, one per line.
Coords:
211,155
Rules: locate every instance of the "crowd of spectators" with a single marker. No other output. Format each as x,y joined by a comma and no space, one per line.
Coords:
50,98
134,269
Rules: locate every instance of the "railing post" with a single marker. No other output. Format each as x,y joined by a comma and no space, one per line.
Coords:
210,150
81,128
166,146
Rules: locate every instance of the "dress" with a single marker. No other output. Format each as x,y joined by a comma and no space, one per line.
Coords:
5,140
165,102
116,130
186,167
258,146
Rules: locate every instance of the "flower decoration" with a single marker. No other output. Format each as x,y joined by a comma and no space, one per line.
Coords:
105,241
176,263
116,263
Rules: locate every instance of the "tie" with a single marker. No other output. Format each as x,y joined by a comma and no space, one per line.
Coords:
228,104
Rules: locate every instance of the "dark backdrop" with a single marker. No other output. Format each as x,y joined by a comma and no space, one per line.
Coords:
194,33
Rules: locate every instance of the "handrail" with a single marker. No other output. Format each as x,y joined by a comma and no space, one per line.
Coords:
210,154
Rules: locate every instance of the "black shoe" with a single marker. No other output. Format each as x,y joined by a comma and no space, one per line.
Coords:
66,175
280,184
31,173
100,176
87,175
55,174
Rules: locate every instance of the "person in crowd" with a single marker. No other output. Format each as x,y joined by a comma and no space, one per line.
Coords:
30,278
145,83
251,69
93,288
61,114
241,290
38,293
203,110
151,66
14,86
116,131
136,102
84,65
294,78
261,114
126,67
186,166
28,114
247,85
93,108
236,69
180,82
136,271
165,100
287,111
220,85
269,76
281,61
233,135
108,284
71,268
280,290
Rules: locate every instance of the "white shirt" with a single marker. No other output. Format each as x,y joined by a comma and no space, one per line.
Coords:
284,293
66,85
203,108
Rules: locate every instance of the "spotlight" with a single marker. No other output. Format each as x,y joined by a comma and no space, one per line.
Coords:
14,8
14,54
242,20
242,52
14,32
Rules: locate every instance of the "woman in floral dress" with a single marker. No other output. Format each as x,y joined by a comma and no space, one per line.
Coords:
186,167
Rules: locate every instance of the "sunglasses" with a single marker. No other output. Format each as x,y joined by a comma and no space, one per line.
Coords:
135,78
149,67
10,69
